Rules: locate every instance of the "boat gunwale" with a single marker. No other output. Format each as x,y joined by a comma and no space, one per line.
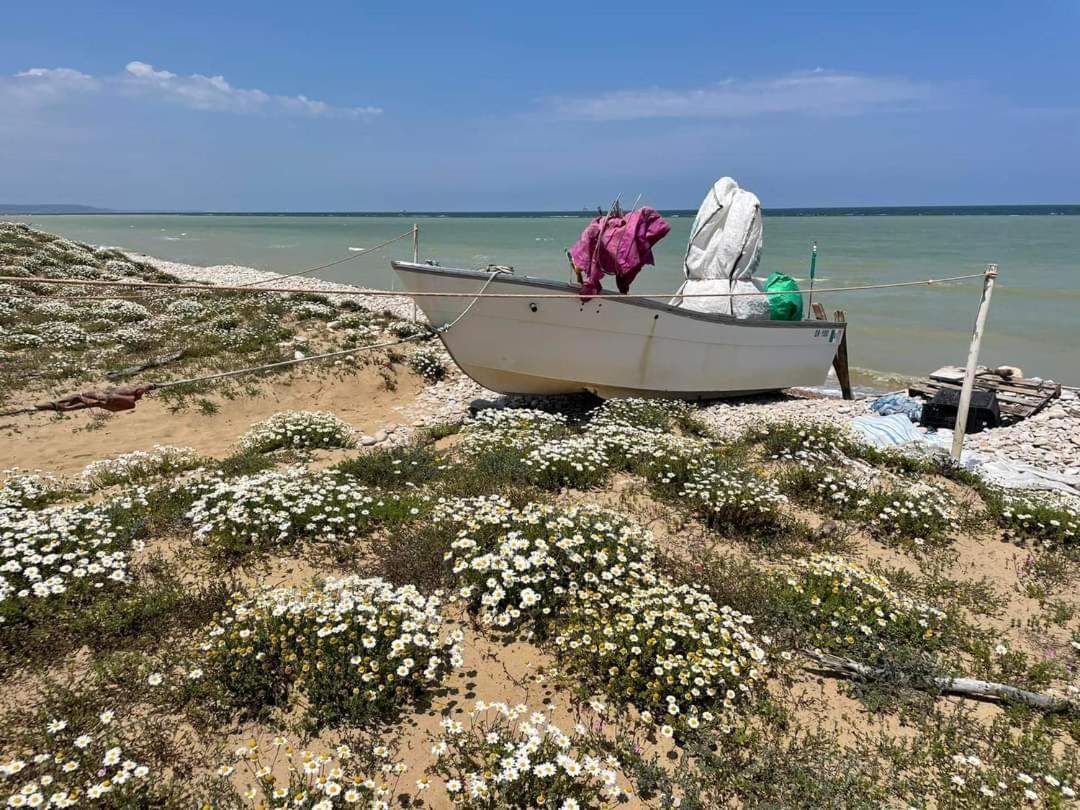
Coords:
647,303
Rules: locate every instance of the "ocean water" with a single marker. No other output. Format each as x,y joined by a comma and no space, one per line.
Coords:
1034,318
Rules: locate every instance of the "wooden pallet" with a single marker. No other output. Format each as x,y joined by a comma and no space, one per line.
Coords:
1018,398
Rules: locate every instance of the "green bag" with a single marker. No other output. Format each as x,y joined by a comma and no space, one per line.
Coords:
785,300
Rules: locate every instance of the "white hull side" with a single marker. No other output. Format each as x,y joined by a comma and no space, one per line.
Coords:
613,348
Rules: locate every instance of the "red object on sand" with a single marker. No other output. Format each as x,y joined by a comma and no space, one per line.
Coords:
115,399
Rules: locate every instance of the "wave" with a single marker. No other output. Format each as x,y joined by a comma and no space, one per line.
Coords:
1048,293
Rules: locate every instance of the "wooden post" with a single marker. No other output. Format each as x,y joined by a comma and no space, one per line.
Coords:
840,362
415,258
960,428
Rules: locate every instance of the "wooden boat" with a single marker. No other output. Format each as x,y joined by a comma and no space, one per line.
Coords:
611,345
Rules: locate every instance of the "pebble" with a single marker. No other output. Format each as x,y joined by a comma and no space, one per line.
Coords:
1050,439
367,441
380,436
732,418
232,274
478,405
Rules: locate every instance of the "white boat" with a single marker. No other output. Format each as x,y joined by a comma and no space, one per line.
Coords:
611,345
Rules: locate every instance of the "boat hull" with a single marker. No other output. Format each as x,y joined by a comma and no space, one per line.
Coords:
612,346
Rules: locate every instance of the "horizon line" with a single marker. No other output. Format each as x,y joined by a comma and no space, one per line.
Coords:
56,209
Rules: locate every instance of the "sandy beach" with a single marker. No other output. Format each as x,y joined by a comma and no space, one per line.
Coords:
540,408
367,487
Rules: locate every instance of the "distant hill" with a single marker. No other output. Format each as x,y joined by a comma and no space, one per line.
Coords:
50,208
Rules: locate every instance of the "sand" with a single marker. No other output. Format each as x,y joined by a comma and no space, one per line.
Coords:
67,444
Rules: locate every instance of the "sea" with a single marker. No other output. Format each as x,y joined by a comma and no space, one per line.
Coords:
894,334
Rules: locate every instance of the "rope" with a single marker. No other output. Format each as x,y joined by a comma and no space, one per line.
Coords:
76,299
18,411
250,370
350,257
405,293
442,330
295,361
240,371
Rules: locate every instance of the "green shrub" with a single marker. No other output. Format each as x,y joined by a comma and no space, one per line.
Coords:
239,516
504,758
356,649
395,467
297,430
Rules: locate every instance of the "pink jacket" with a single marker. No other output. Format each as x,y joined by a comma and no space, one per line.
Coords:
617,246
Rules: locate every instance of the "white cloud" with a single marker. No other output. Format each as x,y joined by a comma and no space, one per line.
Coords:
38,86
41,86
819,92
55,74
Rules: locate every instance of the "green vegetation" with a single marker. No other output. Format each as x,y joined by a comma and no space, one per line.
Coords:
70,336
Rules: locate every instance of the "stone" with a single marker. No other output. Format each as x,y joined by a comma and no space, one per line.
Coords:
380,436
478,405
367,441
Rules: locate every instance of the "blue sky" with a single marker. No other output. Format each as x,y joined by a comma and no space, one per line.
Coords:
502,106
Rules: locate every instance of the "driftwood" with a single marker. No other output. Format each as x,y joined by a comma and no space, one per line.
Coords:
120,373
965,687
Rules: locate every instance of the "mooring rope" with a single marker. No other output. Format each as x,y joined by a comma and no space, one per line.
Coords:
435,332
283,363
150,387
354,255
355,291
249,284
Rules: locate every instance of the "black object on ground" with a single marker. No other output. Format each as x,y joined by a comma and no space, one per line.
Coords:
940,412
1018,398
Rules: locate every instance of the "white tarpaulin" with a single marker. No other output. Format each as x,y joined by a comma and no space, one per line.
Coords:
723,253
886,431
896,430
